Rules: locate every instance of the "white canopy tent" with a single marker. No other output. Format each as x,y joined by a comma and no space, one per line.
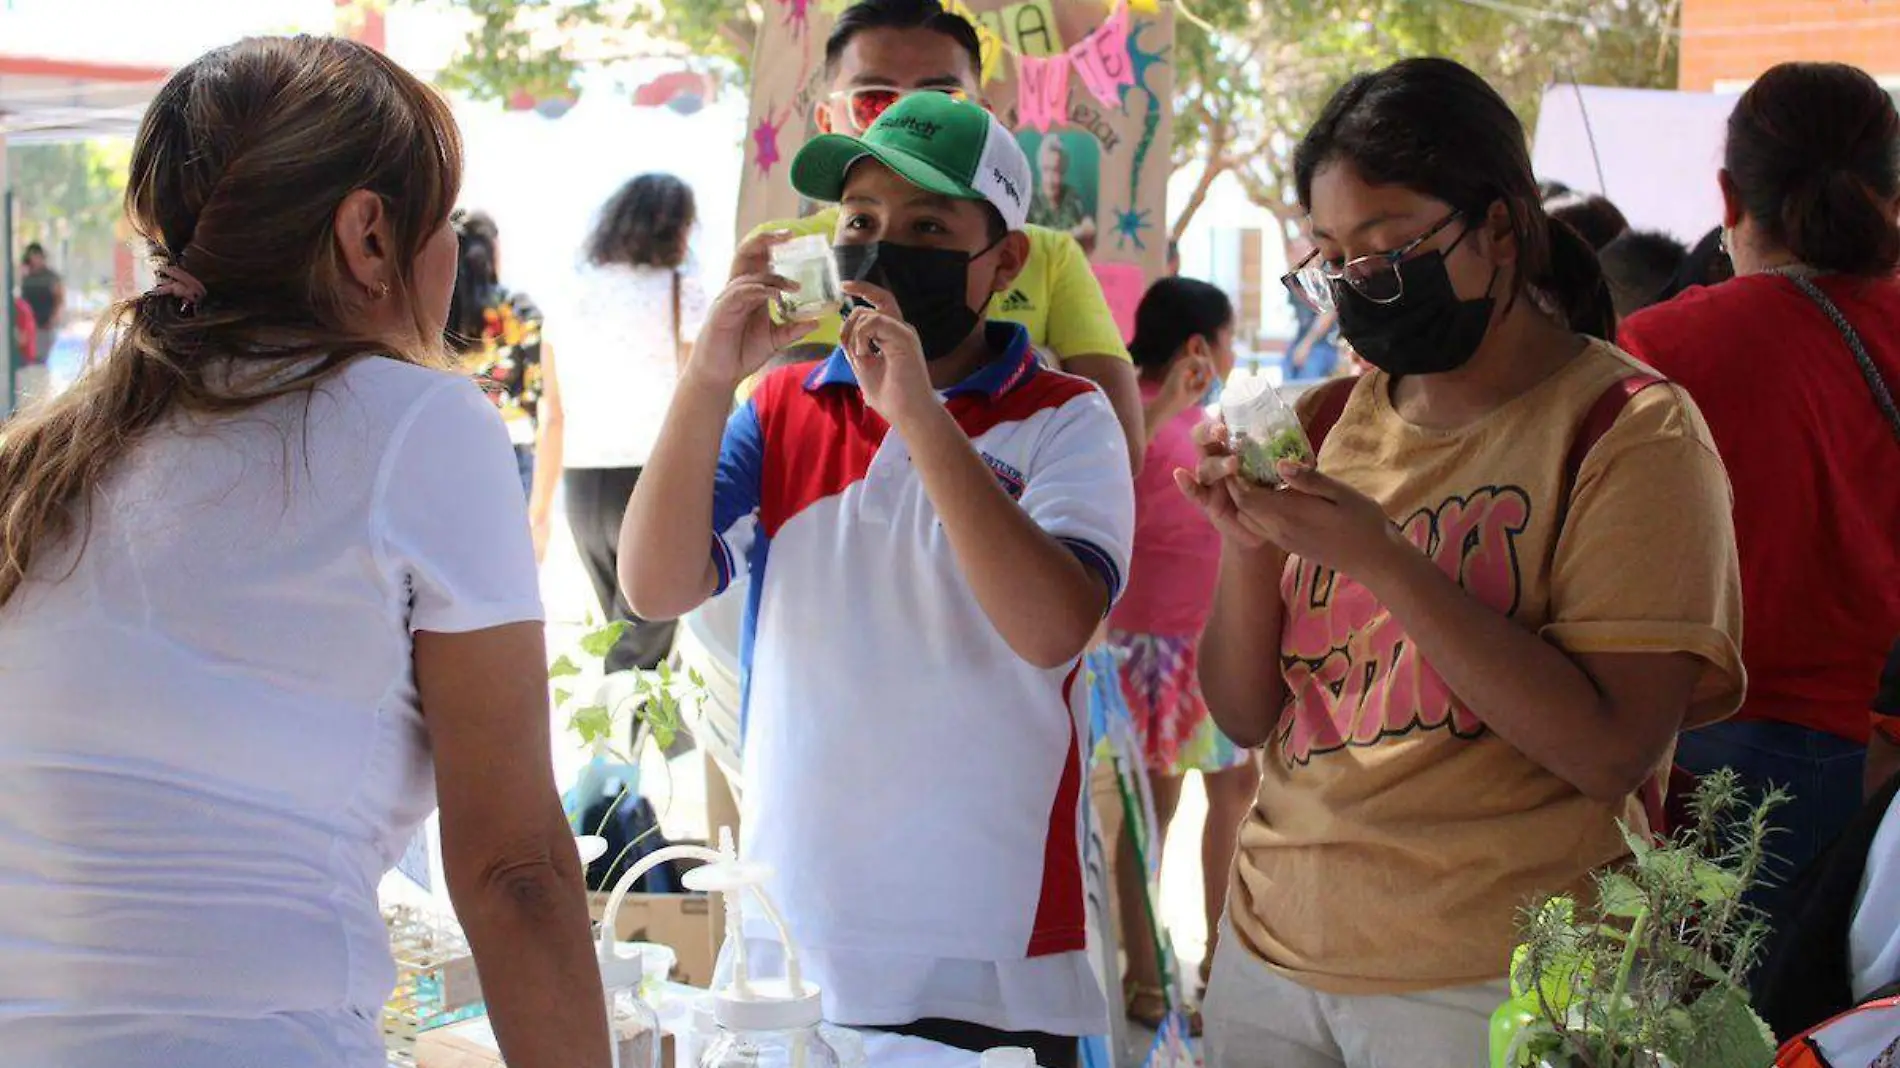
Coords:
1653,152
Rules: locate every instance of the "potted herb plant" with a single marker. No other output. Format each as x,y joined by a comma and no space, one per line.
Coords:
1650,974
632,705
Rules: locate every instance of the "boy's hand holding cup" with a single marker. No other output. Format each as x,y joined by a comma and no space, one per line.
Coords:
740,336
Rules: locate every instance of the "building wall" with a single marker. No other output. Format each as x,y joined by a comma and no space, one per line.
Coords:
1728,43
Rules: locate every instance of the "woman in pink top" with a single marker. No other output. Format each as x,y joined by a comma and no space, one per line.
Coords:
1183,347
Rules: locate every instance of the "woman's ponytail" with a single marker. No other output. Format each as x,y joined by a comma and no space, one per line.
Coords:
1574,283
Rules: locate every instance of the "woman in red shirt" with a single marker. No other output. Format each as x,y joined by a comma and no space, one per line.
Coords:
1793,363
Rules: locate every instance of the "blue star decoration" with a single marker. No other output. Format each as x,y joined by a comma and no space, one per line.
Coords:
1129,224
1143,60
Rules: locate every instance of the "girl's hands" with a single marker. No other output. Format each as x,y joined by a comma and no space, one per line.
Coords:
1215,485
1314,517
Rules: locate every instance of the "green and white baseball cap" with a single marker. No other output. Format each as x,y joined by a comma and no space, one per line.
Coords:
945,146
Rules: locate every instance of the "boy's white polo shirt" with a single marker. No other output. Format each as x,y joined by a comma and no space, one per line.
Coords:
915,784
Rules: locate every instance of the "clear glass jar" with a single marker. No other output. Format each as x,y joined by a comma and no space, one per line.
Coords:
807,262
801,1047
635,1028
1262,429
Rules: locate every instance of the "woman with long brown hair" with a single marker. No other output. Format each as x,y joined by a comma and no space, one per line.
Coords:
266,594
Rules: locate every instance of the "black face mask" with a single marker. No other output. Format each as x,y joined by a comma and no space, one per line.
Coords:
929,284
1427,331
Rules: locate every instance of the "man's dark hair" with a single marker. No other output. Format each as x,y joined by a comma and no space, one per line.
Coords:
1639,266
1706,265
901,15
1596,218
33,249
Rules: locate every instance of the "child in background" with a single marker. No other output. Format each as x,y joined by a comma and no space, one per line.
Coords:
1184,349
933,526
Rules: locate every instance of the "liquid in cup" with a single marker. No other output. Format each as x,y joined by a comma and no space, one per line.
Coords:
807,262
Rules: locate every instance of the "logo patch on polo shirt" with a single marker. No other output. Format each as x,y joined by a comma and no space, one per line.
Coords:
1016,301
1008,477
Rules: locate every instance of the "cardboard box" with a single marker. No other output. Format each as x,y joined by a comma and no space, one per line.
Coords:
454,1047
692,925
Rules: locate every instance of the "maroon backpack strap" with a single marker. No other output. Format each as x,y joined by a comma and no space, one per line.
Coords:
1331,404
1596,422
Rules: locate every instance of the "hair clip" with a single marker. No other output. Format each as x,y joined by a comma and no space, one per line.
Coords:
175,281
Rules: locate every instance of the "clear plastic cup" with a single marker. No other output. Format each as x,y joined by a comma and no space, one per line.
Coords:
807,262
1263,429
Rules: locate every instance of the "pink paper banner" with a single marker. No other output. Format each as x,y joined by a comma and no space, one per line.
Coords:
1042,91
1123,284
1102,58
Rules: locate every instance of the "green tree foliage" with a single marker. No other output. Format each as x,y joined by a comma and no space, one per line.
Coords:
1247,91
1244,92
69,198
530,45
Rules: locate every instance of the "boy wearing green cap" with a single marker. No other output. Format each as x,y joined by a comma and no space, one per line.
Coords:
933,526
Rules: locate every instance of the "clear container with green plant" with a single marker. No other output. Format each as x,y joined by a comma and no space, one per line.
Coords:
1262,429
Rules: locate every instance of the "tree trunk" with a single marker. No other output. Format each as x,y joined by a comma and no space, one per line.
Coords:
1217,165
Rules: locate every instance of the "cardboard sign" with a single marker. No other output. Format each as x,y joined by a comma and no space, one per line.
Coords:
1042,92
1102,59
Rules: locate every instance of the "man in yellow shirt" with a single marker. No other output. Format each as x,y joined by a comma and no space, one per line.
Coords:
880,50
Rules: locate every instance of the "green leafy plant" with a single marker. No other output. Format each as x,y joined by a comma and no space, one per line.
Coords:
651,705
1260,458
1652,973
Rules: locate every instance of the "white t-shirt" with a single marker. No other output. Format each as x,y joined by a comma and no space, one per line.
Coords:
210,746
615,360
915,785
1873,942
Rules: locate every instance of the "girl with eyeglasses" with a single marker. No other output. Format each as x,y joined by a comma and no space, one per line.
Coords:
1468,639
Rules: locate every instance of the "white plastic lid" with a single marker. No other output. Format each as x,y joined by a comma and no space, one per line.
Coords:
727,877
768,1006
1008,1057
622,966
592,847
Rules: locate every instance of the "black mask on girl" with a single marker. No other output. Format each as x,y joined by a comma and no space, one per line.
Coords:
929,284
1426,331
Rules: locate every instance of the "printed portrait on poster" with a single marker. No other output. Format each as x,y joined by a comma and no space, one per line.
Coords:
1068,169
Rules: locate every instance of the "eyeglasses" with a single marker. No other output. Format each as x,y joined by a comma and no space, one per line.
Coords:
1375,277
867,102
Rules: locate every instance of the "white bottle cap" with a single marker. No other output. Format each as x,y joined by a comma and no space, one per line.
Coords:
768,1005
622,966
1008,1057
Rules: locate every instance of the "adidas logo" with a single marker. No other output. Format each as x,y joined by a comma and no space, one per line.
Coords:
922,128
1009,188
1016,301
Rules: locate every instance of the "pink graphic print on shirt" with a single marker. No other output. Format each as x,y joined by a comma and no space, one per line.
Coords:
1353,676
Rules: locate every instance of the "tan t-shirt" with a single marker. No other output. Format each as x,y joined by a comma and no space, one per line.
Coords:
1396,838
